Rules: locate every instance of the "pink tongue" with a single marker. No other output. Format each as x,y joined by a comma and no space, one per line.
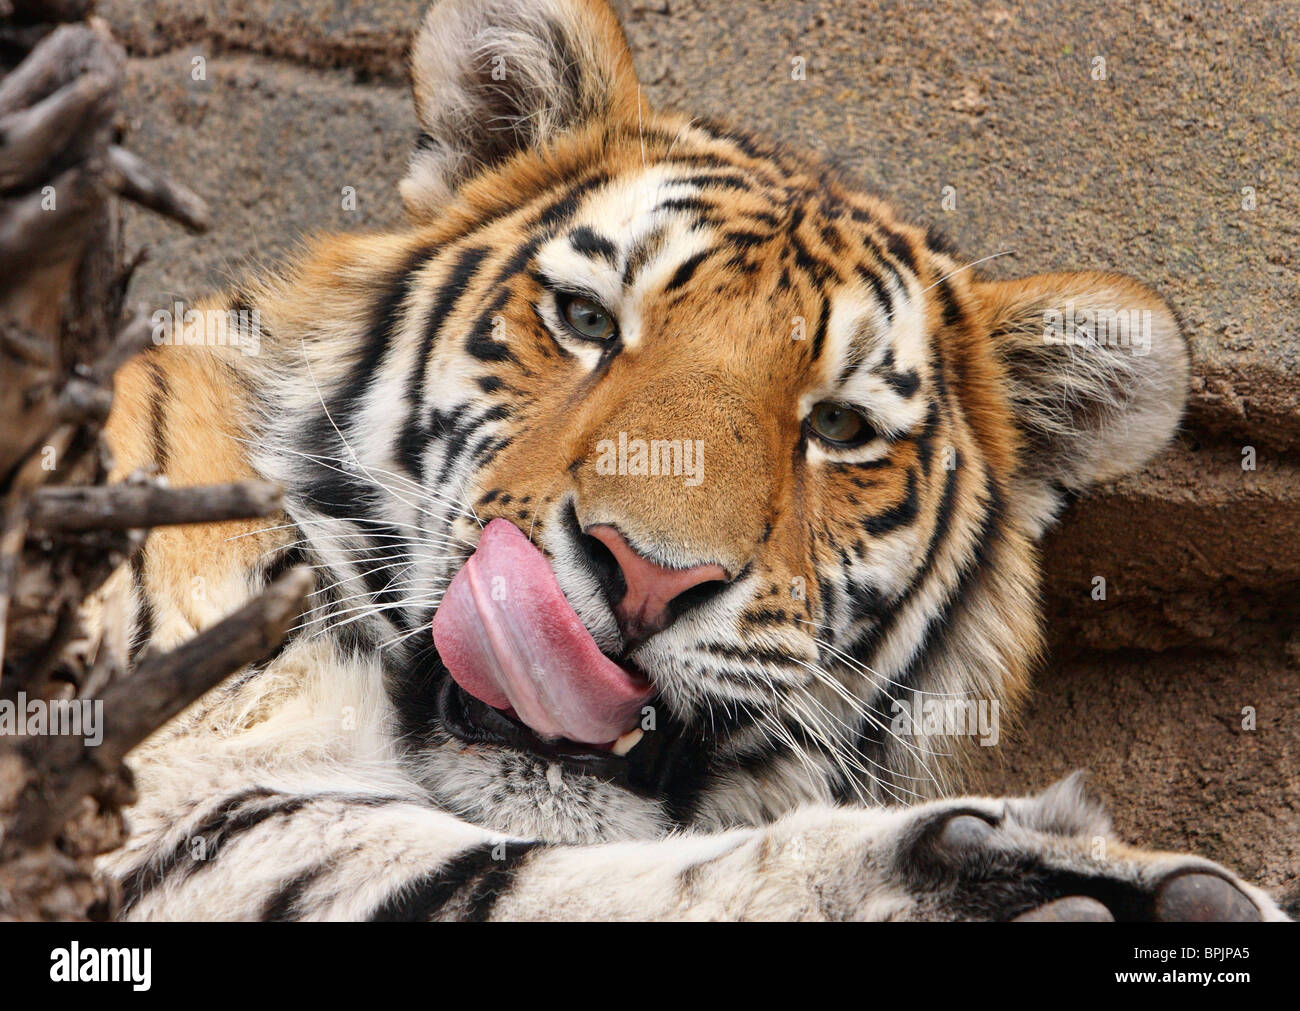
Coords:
509,638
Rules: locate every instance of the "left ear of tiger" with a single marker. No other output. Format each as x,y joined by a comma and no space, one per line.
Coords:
1097,370
495,77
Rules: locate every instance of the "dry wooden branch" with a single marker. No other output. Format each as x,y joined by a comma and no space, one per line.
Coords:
130,340
36,134
50,10
62,770
127,506
130,177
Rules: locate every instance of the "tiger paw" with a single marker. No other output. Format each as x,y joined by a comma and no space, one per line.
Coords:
1051,858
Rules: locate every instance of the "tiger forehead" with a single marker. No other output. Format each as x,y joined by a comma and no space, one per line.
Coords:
823,283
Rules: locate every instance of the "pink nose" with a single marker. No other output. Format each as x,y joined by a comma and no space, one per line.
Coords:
651,588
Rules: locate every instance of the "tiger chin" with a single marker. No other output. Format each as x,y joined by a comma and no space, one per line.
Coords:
643,475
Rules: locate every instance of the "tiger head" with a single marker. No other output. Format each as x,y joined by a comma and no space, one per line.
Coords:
669,470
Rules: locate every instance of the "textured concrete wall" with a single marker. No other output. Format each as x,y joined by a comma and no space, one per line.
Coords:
1149,171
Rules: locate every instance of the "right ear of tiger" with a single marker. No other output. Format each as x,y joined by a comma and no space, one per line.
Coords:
1097,373
495,77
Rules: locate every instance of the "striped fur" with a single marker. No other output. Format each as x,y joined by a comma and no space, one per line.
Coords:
412,386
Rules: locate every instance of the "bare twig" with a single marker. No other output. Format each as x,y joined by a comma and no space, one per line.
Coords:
83,401
36,134
51,10
127,506
130,340
24,346
130,177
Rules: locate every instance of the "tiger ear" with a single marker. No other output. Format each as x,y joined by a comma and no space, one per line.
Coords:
495,77
1098,371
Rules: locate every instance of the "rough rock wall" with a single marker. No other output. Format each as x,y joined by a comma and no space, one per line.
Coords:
1174,159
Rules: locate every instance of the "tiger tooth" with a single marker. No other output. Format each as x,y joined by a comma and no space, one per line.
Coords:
627,742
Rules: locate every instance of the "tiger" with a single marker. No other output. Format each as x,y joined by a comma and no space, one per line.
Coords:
645,474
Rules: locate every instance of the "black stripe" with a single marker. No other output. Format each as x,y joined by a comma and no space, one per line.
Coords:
285,905
938,623
144,614
819,335
925,440
901,250
233,818
746,239
903,383
158,413
457,438
901,514
563,207
872,242
379,579
411,442
952,314
480,343
684,272
154,870
729,181
285,561
940,242
377,340
640,255
477,873
818,270
593,246
881,292
704,210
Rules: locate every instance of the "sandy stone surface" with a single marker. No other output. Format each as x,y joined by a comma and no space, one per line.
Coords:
1180,167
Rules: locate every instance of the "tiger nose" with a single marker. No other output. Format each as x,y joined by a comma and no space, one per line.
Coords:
652,600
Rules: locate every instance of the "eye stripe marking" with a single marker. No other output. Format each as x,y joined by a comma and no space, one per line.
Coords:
597,247
901,514
479,343
686,271
565,205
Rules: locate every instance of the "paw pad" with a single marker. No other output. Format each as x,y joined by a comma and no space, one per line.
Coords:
1203,898
965,832
1071,909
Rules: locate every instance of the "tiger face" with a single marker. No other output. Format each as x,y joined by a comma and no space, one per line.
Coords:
663,465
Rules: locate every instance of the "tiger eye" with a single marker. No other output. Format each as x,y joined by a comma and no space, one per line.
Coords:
838,424
588,319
